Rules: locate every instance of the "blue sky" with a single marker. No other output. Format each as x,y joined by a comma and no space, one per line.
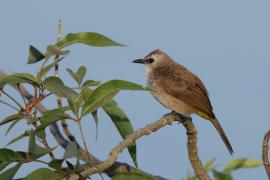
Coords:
226,43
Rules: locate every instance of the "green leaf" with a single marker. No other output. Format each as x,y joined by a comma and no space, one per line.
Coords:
207,166
122,123
56,86
51,116
79,75
3,165
29,77
131,176
95,117
10,173
105,92
11,126
53,50
43,174
88,38
11,118
71,150
56,163
34,55
241,163
19,78
221,175
85,93
7,155
91,83
34,148
19,137
47,68
74,106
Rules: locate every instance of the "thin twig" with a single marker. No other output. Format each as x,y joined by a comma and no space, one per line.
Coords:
10,97
9,105
265,149
19,89
83,137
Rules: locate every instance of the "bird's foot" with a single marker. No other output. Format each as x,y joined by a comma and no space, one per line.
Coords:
179,117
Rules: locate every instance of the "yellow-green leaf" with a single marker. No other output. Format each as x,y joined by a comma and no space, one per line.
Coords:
88,38
105,92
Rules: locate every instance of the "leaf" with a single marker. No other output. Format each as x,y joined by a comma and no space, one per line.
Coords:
19,137
70,165
241,163
221,175
131,176
19,78
7,155
91,83
12,125
53,50
85,93
43,174
11,118
34,148
56,86
122,123
106,92
95,117
34,55
74,106
56,163
10,173
3,165
207,166
88,38
47,68
29,77
71,151
51,116
79,75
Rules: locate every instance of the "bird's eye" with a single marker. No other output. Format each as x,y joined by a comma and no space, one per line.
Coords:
150,60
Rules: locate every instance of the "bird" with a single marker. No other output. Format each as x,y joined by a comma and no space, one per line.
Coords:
179,90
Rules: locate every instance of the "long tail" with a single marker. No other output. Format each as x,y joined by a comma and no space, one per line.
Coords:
222,134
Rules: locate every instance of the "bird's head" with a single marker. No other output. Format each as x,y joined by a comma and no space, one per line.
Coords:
153,59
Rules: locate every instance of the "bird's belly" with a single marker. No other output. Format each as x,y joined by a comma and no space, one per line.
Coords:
173,103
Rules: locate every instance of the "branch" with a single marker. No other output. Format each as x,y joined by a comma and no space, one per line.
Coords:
117,167
265,150
166,120
193,150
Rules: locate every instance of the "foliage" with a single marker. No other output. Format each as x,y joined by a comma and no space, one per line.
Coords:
228,169
86,98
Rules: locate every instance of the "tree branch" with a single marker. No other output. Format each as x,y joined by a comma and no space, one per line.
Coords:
265,150
193,150
166,120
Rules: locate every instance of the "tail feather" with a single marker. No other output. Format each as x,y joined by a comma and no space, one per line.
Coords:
222,134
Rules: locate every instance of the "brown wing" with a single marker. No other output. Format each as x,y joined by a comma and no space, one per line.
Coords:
186,86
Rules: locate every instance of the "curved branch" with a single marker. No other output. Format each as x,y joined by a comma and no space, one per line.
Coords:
193,150
265,150
117,167
166,120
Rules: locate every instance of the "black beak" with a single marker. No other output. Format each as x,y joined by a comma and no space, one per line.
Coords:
140,61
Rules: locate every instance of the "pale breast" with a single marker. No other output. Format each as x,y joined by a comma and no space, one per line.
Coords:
169,101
